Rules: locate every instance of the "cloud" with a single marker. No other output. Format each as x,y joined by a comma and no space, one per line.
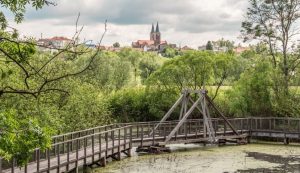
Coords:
130,19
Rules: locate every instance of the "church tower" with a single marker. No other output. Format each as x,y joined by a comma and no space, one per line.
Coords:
152,33
155,35
158,36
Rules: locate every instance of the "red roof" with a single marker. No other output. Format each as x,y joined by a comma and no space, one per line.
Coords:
55,39
148,42
60,39
145,42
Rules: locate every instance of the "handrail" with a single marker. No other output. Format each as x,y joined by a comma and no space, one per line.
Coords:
87,136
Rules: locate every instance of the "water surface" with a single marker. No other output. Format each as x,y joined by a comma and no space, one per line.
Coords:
251,158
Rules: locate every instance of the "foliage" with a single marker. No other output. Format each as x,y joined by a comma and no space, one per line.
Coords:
18,8
274,22
85,105
251,95
194,69
19,137
209,46
141,104
116,44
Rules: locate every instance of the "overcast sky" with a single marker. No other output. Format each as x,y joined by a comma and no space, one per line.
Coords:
183,22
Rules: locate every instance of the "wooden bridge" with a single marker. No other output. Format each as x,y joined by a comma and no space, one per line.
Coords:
94,146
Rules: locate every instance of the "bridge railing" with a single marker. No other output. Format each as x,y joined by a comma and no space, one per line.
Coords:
69,153
74,141
278,124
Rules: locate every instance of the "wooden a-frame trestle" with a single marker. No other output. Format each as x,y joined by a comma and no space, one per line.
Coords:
202,105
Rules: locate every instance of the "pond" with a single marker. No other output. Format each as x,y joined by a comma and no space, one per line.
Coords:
251,158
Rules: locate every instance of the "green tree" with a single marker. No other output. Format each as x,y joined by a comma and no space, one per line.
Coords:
275,23
18,8
14,132
116,44
209,46
251,95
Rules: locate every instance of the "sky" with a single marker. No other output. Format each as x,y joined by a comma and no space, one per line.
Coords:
182,22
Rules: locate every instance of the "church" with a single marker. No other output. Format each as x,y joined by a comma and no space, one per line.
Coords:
154,44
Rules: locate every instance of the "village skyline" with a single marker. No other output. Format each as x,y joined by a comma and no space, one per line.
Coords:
183,23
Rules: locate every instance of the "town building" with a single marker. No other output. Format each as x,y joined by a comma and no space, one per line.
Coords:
54,43
239,49
154,44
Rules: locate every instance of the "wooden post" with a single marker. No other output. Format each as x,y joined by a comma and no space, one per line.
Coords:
100,147
63,143
137,131
58,159
106,144
119,144
38,161
77,148
153,135
299,128
164,131
130,143
84,146
225,128
68,155
113,141
182,120
185,130
125,136
93,148
142,135
48,158
13,165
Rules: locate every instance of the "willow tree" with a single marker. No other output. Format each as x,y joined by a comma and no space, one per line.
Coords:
275,23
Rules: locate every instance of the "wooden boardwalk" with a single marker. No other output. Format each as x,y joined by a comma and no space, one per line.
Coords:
94,146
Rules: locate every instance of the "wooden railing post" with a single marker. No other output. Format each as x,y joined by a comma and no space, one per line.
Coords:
63,143
68,155
130,143
85,147
153,135
100,147
113,141
72,142
77,154
142,135
125,137
48,159
58,159
38,161
93,147
225,128
299,128
13,165
106,144
119,144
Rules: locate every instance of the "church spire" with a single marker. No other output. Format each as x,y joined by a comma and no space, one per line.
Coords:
157,27
152,30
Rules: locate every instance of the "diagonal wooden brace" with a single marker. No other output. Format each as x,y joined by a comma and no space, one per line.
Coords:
183,120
